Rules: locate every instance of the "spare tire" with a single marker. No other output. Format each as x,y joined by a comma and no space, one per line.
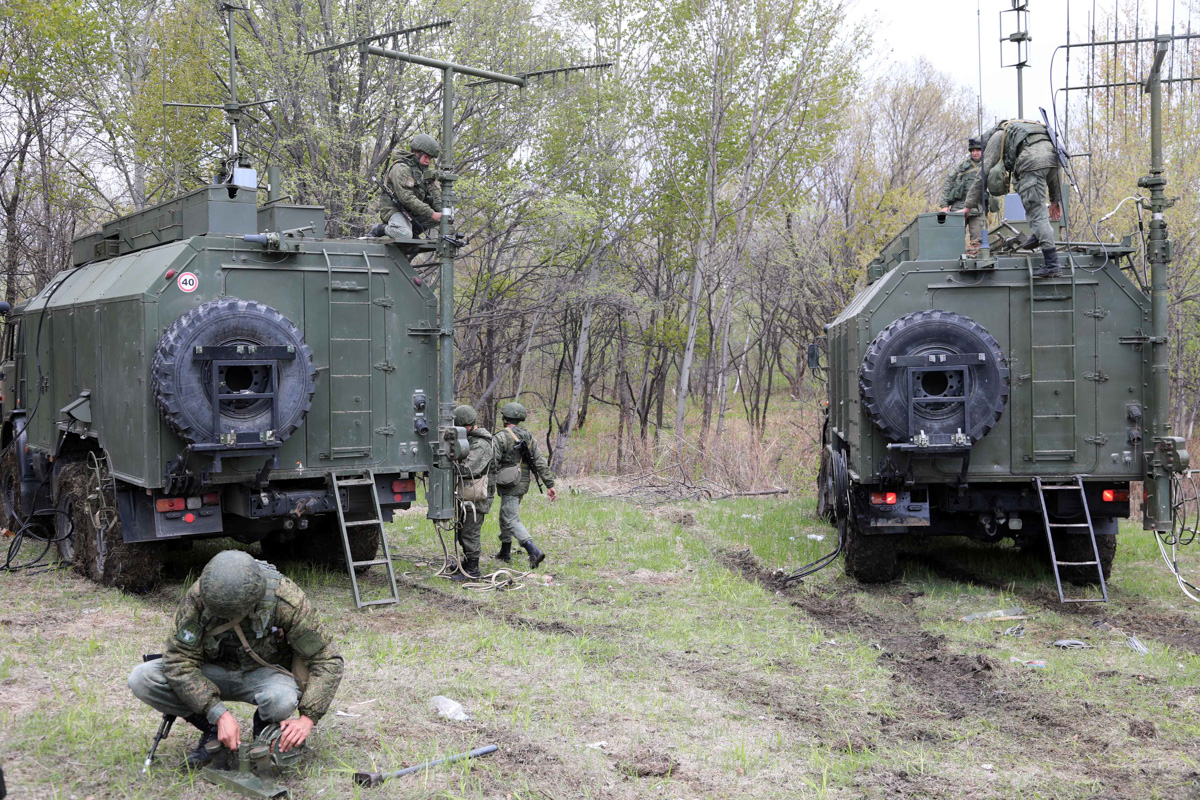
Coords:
183,385
884,386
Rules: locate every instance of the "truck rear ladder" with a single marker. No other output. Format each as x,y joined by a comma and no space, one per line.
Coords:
1077,486
362,499
1053,387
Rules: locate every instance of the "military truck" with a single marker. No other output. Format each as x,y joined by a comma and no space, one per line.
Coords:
968,397
209,367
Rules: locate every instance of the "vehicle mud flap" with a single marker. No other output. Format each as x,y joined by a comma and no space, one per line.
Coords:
869,558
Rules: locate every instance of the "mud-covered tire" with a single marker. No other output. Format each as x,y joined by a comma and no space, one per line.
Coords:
101,553
322,544
183,385
64,512
1077,547
869,559
12,514
884,387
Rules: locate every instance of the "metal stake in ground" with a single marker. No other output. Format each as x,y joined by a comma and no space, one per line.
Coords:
376,778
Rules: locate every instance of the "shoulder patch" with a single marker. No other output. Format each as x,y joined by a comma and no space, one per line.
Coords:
409,181
189,633
307,643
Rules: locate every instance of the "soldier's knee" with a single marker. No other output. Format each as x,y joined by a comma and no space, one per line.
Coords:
277,701
144,679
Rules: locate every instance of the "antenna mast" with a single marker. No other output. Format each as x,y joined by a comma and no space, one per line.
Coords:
1019,39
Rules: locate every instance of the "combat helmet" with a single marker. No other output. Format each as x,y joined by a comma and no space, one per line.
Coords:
465,415
513,412
974,144
232,584
424,143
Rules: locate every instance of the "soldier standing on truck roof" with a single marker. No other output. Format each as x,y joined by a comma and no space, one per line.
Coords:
409,211
473,491
517,457
954,190
1023,149
234,631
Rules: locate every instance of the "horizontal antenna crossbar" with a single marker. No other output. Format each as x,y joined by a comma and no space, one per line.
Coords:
445,23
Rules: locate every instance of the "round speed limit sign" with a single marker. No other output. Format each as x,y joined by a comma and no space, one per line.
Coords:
187,282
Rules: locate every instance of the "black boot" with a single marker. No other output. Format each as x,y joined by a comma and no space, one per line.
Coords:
468,569
259,724
505,553
1050,268
1029,244
198,756
379,230
535,556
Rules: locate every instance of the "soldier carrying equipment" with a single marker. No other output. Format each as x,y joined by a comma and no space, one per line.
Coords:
517,458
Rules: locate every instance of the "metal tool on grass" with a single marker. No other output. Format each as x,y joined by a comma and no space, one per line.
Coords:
376,778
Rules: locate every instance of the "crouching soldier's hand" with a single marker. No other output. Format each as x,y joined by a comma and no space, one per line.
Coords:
294,732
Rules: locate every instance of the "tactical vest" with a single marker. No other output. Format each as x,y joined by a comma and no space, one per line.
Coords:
509,455
257,623
1018,135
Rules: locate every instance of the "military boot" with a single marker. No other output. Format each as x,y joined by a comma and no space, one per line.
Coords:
198,756
505,553
468,570
535,556
259,724
1029,244
1050,268
378,230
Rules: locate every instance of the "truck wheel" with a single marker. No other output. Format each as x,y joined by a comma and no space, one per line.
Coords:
869,559
1077,547
64,512
12,516
183,386
101,553
884,387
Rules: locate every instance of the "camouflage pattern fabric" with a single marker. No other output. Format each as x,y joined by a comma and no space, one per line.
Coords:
956,184
285,625
1037,159
468,518
417,192
507,455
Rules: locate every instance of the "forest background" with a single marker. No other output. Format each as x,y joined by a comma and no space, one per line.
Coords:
660,239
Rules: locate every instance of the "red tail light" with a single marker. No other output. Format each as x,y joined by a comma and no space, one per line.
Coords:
170,504
406,485
1115,495
883,498
212,499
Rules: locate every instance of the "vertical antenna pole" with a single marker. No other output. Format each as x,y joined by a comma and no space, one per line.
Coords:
232,75
1160,258
446,282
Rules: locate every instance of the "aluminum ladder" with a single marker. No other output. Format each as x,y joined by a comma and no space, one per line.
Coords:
366,502
1077,486
1053,384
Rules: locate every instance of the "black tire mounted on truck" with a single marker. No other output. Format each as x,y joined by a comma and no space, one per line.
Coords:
183,385
884,387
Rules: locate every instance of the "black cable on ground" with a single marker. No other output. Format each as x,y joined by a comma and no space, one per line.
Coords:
822,562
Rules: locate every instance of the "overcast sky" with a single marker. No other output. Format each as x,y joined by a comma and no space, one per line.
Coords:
945,33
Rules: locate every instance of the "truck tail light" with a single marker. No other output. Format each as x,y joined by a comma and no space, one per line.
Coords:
883,498
170,504
406,485
212,499
1115,495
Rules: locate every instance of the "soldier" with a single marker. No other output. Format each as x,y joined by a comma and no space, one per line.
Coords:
1023,149
472,490
410,212
954,189
234,630
516,456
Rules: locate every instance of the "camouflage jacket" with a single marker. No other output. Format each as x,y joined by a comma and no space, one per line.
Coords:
507,454
954,188
479,463
415,187
1031,156
282,627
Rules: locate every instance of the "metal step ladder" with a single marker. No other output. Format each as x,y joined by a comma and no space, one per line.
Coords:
1077,486
360,492
1054,390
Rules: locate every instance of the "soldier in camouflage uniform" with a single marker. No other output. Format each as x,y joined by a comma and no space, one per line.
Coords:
954,189
1023,149
243,632
515,451
415,189
472,506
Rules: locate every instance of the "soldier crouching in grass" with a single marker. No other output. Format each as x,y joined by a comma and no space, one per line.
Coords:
235,629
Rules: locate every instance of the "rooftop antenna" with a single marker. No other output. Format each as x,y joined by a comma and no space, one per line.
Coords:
440,479
1017,53
238,168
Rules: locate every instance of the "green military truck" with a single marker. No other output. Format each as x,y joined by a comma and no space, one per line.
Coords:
209,367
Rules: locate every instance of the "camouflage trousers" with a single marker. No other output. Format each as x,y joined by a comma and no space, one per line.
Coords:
276,695
974,227
468,527
510,520
398,226
1032,188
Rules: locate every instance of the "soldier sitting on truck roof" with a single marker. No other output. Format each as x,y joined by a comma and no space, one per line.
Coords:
954,189
1023,149
234,630
411,191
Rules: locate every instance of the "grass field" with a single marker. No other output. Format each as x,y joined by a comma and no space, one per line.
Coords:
655,655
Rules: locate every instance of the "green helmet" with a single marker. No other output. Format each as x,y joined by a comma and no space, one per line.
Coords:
424,143
465,415
232,584
514,412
